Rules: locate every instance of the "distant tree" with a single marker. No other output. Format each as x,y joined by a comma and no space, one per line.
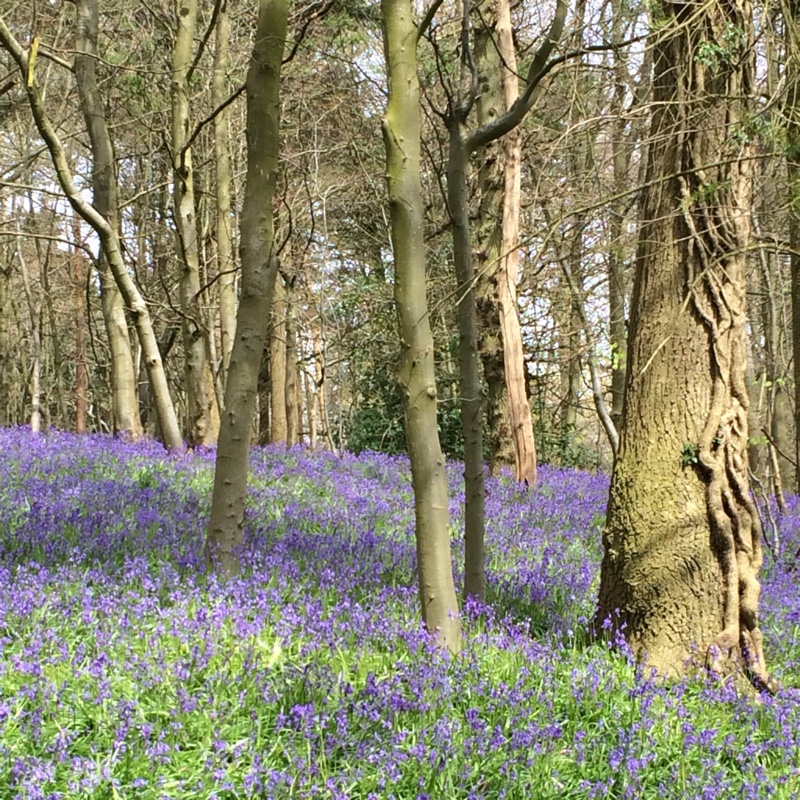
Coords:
105,196
682,542
107,234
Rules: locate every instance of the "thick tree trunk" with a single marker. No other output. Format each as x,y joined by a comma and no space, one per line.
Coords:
259,268
682,542
508,411
201,398
104,198
401,130
225,262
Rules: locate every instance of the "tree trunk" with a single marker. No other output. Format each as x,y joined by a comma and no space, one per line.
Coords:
35,311
508,411
279,424
259,267
6,363
791,13
292,393
401,129
201,398
225,263
683,540
125,409
470,385
79,298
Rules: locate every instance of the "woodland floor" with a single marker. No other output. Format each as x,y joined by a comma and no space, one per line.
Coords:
126,672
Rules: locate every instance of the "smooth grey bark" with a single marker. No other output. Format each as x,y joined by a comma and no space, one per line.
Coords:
259,268
401,133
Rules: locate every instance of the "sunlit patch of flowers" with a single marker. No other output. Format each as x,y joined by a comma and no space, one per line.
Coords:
127,672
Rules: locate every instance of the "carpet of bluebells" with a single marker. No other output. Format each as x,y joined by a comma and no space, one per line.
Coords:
127,672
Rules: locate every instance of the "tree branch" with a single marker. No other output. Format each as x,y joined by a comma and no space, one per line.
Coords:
540,67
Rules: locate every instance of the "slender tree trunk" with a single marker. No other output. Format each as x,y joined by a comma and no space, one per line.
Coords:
292,393
683,539
79,299
35,311
259,268
225,261
791,13
6,369
125,409
201,398
279,424
401,129
470,386
570,338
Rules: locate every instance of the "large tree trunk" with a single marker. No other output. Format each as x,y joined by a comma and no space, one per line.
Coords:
401,130
682,541
509,416
259,267
125,408
201,398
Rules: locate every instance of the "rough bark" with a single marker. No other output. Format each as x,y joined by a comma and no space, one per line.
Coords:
201,398
225,262
682,542
508,411
401,130
259,268
104,198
